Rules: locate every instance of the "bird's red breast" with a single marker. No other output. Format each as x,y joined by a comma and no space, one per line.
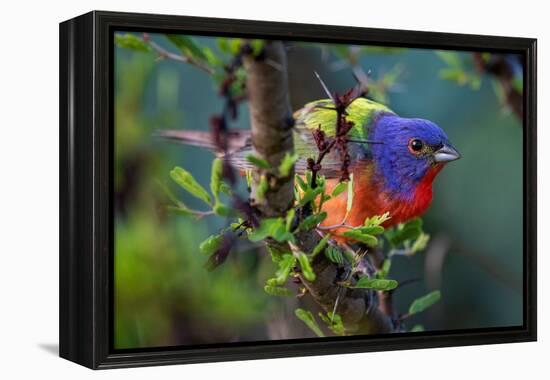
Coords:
370,199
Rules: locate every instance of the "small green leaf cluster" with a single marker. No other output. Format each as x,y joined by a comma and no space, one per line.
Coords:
191,49
283,171
407,238
131,42
274,286
306,194
307,317
232,46
187,182
332,321
458,70
275,228
367,234
380,87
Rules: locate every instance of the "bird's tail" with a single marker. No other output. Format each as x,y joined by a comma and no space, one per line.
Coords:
237,139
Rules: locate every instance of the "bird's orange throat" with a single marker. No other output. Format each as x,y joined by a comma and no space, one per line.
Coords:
370,200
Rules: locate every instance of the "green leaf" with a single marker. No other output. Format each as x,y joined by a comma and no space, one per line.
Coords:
371,230
320,246
249,178
312,221
258,162
340,50
385,270
211,244
310,195
334,255
417,328
333,322
286,264
267,228
187,46
211,57
367,239
221,210
271,227
277,291
223,44
420,243
308,177
235,45
132,42
257,47
451,58
183,178
306,266
377,220
226,189
262,188
405,232
475,82
454,75
216,177
375,284
290,219
282,235
422,303
301,183
306,317
339,189
517,84
285,168
276,253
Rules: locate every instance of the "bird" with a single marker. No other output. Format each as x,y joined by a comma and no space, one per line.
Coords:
394,160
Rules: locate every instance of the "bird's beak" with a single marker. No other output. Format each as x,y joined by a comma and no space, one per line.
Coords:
446,154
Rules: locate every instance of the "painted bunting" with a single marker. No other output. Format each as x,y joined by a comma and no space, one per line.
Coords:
394,160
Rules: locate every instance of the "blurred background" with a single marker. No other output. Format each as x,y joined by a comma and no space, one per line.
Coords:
163,294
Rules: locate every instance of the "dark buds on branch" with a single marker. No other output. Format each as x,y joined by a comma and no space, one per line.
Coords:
343,127
221,254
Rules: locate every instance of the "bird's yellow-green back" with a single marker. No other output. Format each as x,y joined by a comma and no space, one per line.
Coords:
317,114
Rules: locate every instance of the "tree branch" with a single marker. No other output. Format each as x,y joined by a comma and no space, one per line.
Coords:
498,67
165,54
272,139
271,125
359,308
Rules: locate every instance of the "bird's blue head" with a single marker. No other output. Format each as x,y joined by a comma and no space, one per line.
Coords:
408,149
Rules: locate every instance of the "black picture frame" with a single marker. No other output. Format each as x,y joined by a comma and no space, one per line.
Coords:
86,188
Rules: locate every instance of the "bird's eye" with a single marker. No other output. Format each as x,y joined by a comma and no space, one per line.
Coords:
416,145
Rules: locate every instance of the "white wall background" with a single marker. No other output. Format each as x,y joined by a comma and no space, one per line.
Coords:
29,187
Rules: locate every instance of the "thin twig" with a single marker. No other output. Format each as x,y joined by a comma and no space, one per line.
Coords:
165,54
325,88
334,226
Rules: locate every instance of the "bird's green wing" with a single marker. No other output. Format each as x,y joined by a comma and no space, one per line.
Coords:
362,112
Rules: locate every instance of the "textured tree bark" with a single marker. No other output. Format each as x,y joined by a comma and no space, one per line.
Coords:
271,124
359,308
